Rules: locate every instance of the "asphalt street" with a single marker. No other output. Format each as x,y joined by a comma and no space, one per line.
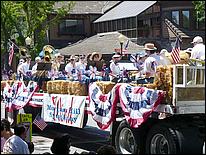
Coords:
87,139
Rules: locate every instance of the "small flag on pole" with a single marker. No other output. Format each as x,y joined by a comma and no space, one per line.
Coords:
11,54
127,44
125,50
176,51
39,122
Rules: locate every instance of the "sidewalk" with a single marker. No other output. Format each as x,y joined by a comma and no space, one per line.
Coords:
43,144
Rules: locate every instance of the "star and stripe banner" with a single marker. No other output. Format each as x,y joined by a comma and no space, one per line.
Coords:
39,122
11,54
175,54
137,104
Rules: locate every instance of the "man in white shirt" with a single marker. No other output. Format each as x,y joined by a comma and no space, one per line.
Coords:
16,144
151,62
19,76
114,67
198,51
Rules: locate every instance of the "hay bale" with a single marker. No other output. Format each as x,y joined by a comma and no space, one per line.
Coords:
105,86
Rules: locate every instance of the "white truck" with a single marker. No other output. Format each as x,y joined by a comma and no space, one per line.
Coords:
181,130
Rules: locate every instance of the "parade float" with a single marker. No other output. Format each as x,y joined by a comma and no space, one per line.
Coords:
165,116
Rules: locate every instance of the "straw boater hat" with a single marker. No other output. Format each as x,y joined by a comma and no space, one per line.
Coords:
93,54
116,56
149,47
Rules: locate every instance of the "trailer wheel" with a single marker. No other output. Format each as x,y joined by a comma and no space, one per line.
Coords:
162,140
125,141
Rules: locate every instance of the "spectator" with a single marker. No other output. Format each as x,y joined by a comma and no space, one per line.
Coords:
16,144
106,149
61,145
6,124
5,132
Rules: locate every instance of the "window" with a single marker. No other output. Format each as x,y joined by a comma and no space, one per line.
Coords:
134,22
119,24
186,17
114,25
69,26
124,24
175,17
105,27
109,26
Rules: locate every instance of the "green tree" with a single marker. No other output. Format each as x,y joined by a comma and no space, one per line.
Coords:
200,10
20,19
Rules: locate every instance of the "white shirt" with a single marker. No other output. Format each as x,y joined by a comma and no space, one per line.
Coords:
198,51
25,67
15,145
72,71
19,68
150,64
81,67
115,69
34,69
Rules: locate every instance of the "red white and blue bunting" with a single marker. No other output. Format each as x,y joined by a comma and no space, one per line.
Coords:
137,103
18,95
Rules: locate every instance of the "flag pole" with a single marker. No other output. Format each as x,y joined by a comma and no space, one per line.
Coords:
13,43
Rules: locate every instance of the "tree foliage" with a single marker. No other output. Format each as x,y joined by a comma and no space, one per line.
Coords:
200,10
20,19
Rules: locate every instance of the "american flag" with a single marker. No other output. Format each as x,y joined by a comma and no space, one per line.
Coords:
39,122
176,51
11,54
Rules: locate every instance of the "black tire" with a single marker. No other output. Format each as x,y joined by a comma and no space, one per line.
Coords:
125,141
176,140
162,140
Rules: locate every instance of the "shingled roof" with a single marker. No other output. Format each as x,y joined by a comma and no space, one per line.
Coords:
104,43
88,7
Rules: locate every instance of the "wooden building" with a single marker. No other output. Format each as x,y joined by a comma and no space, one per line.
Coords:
159,21
77,25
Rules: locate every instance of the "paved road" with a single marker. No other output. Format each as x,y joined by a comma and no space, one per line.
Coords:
89,138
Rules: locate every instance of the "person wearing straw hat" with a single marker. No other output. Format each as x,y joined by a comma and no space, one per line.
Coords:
114,68
152,61
95,60
95,66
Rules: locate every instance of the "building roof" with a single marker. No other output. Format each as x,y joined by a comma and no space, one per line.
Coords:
104,43
88,7
126,9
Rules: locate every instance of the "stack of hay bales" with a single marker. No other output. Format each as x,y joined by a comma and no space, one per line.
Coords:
66,87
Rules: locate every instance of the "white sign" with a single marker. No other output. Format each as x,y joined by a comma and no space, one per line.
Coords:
64,109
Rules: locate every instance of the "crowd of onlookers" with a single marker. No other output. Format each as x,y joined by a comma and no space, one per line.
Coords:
13,142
